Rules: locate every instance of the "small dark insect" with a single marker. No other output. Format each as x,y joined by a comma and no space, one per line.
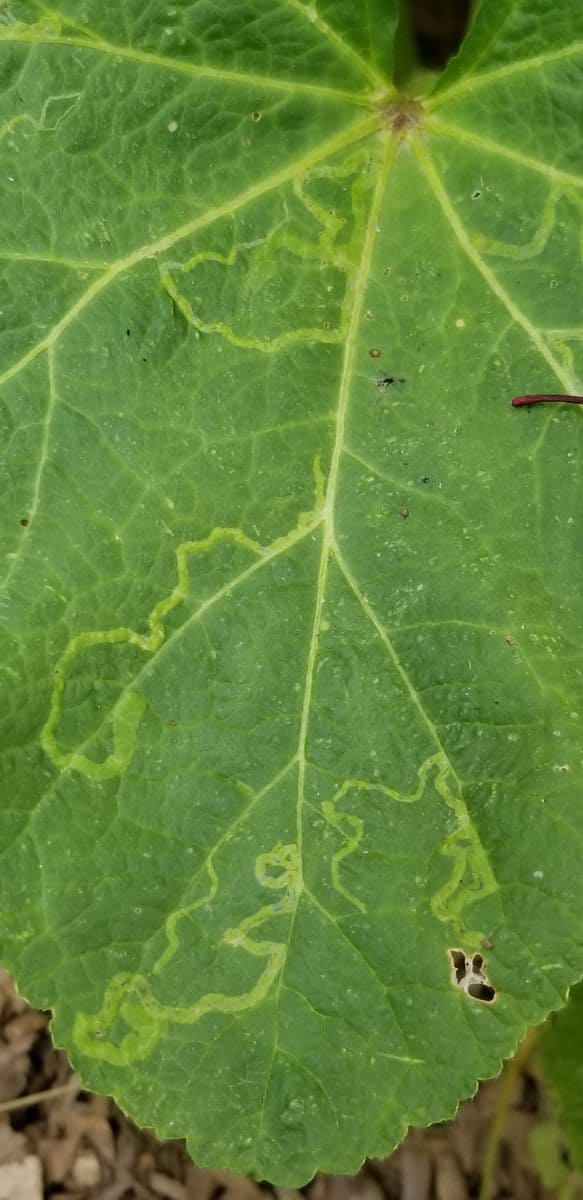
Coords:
518,401
388,380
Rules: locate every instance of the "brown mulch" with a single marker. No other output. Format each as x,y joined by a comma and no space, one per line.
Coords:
75,1144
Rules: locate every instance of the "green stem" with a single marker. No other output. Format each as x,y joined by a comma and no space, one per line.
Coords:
505,1098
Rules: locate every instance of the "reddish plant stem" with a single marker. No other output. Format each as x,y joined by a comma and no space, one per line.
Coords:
519,400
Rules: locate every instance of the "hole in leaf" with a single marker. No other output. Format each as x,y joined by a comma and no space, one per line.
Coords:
481,991
438,28
469,974
458,959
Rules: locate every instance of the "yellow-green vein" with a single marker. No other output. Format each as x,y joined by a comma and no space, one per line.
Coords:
473,83
43,37
311,14
469,137
431,174
151,249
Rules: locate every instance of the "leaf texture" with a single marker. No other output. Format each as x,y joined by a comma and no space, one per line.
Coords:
291,595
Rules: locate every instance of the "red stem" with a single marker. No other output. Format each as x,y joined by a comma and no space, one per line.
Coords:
519,400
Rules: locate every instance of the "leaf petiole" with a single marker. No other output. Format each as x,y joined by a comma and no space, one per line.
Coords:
518,401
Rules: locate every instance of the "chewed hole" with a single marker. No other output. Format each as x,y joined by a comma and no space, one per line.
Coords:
481,991
256,115
459,962
469,974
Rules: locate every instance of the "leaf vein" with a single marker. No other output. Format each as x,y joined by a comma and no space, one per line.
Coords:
183,66
475,82
426,164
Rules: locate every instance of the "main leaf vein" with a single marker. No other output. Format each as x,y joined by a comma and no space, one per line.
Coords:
182,66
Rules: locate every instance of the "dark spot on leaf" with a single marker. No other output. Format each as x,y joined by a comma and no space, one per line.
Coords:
256,115
510,641
375,352
128,331
476,195
404,512
424,478
23,522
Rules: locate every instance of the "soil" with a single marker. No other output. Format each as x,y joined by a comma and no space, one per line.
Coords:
56,1140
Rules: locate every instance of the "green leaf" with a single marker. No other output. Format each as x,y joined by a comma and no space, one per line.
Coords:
291,600
560,1048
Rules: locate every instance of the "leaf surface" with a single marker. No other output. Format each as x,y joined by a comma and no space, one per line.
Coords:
290,606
